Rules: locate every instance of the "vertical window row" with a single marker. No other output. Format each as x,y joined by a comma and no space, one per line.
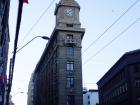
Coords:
70,70
70,64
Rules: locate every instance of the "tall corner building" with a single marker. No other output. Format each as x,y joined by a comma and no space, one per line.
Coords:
57,79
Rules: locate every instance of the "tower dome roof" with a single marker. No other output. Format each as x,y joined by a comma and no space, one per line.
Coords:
69,3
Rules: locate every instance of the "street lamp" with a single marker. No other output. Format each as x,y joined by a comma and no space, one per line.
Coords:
12,96
11,66
17,93
43,37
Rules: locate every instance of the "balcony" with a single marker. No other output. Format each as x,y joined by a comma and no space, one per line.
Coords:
70,41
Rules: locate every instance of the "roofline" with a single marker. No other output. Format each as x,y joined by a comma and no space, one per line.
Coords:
122,59
93,90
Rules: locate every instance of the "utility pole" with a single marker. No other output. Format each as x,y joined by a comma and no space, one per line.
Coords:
11,68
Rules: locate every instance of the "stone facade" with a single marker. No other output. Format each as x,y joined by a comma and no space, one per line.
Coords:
58,75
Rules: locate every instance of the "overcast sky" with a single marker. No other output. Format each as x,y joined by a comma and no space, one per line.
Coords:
96,16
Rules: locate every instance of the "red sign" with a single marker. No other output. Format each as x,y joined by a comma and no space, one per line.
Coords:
25,1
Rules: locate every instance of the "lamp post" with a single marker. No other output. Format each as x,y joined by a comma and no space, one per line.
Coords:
11,67
12,96
17,93
43,37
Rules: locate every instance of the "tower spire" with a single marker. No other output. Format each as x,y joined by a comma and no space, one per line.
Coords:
69,2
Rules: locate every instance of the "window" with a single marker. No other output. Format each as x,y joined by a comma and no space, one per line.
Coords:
70,82
136,68
120,89
69,51
70,65
137,83
126,86
69,25
70,100
122,75
123,88
138,100
69,36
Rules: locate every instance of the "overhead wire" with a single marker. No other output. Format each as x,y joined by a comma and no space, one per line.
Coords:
89,83
40,17
99,51
127,10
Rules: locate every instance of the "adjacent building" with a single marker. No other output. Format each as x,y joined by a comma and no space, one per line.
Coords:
57,77
121,84
90,97
4,45
30,91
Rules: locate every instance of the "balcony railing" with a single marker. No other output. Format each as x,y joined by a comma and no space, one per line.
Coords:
70,41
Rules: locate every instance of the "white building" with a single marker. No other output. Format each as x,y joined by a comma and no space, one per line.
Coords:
90,97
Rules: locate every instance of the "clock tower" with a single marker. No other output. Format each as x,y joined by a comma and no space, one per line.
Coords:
58,75
67,13
69,34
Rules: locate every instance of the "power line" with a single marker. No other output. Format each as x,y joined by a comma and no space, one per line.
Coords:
89,83
111,25
33,26
127,28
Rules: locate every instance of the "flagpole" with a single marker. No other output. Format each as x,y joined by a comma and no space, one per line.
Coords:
11,70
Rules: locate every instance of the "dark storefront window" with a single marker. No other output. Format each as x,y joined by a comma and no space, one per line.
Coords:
138,100
88,102
137,83
70,100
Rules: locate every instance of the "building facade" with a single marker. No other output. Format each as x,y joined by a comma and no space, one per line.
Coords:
4,46
121,84
90,97
57,78
30,91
